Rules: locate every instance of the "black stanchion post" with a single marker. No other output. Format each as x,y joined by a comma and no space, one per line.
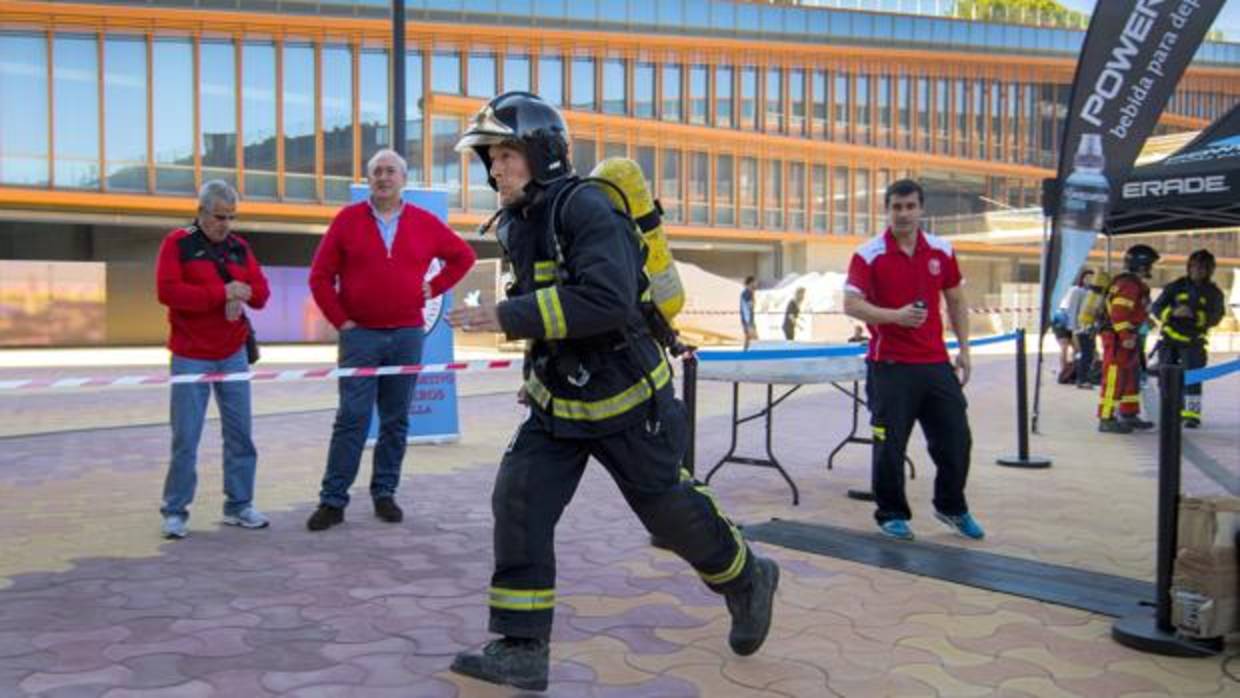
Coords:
688,393
1022,458
1154,632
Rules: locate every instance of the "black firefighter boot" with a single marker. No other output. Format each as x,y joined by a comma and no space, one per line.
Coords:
508,661
751,607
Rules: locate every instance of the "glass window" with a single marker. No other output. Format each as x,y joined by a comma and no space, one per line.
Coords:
980,94
615,86
373,109
299,149
446,72
258,119
725,193
1030,114
748,180
923,115
585,155
615,150
23,133
841,118
516,72
861,194
480,75
863,109
773,202
643,88
671,93
124,118
796,196
645,158
796,96
337,117
699,188
75,82
749,97
583,84
551,79
942,116
218,110
697,94
774,100
818,88
904,112
882,100
724,114
413,116
445,161
818,198
669,186
841,202
172,79
960,105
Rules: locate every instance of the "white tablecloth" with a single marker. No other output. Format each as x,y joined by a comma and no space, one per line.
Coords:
790,371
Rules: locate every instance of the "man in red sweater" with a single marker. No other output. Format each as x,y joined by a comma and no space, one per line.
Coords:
369,279
206,276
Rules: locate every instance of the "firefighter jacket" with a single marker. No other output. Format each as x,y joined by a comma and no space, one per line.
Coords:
591,365
1127,304
1204,300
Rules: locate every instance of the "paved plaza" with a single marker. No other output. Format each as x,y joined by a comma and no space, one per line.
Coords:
94,603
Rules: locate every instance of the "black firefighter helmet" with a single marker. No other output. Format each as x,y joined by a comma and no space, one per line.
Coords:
1203,257
524,120
1139,259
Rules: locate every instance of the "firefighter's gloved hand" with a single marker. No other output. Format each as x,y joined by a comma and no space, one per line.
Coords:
523,397
1129,343
482,318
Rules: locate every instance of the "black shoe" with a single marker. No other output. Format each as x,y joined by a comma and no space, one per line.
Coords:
508,661
1137,423
387,510
1114,426
751,608
325,517
1191,423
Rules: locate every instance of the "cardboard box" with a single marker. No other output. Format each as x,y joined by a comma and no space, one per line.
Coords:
1208,522
1206,581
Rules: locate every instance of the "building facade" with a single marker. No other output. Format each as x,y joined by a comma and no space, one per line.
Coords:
769,132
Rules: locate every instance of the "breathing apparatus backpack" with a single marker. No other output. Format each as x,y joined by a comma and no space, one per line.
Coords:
662,294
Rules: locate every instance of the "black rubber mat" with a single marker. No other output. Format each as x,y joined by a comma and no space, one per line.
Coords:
1090,591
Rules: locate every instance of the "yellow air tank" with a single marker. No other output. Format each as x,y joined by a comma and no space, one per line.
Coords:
665,287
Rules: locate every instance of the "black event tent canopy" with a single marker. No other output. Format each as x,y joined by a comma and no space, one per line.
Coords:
1198,187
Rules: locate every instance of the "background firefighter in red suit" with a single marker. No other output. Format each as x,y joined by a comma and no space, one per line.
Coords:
1126,308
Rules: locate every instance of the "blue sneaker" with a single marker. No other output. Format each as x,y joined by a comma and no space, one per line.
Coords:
963,524
896,528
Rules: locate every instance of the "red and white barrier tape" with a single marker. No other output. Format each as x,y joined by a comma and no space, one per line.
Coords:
276,376
980,311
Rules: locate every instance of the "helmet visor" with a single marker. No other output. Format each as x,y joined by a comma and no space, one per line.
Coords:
485,130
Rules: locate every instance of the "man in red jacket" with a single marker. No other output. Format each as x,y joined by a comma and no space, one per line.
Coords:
369,279
206,276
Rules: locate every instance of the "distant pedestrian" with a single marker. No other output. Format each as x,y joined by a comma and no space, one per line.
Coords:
792,313
749,327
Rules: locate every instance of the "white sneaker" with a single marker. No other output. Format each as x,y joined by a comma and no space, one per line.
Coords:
174,527
248,517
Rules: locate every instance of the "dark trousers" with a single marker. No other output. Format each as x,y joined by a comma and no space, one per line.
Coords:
1190,355
536,480
360,347
929,394
1085,351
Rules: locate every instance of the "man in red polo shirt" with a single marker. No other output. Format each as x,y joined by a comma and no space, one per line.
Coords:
894,284
369,279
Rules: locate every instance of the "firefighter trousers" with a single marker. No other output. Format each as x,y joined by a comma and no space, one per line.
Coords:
537,478
1121,391
1190,355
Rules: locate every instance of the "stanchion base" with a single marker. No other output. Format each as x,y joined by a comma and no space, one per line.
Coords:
1032,462
1140,632
862,495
